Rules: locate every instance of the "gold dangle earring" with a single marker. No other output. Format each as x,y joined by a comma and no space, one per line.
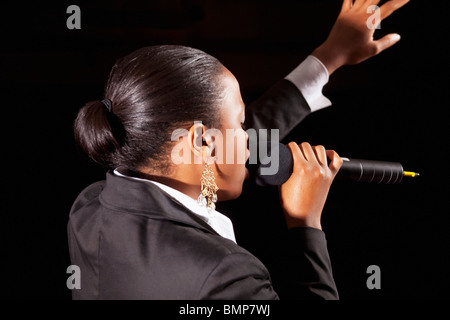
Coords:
209,188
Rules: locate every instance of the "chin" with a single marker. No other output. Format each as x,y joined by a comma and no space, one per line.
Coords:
225,195
233,189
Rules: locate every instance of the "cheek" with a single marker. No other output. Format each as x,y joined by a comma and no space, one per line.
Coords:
232,148
231,171
238,147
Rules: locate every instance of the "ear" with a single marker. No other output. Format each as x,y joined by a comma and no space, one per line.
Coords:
198,142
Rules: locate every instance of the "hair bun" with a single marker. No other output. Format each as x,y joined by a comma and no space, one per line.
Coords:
94,134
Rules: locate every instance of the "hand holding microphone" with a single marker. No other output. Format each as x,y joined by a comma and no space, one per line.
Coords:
305,173
352,169
304,194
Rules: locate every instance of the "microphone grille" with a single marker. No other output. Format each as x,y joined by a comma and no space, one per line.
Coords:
273,169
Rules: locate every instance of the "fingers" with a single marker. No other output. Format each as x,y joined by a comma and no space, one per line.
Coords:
308,152
363,4
389,7
335,162
297,155
386,42
321,155
347,4
385,10
305,153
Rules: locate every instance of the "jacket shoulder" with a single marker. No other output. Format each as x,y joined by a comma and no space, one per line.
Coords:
88,194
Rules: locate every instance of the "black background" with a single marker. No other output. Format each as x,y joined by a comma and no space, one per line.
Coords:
392,107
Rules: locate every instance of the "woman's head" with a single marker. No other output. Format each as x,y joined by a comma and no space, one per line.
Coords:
155,91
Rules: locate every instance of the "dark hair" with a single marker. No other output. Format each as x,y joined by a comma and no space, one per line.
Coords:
153,90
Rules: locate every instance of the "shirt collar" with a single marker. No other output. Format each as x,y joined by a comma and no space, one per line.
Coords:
219,222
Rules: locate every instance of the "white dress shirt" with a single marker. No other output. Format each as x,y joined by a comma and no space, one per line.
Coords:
309,77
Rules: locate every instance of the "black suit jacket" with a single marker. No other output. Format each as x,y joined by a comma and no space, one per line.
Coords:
131,240
281,107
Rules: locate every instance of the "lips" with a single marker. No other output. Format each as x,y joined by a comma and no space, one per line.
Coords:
247,174
247,156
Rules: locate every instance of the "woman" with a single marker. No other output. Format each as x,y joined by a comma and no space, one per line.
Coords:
151,230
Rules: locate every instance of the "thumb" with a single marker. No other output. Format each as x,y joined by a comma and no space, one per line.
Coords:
386,42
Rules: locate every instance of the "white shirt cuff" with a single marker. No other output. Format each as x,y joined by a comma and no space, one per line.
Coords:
310,77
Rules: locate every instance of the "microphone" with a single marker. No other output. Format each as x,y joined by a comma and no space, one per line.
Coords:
267,173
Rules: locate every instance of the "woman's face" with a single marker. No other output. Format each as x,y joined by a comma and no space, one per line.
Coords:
229,168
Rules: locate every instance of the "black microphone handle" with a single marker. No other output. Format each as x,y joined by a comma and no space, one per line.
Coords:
371,171
352,169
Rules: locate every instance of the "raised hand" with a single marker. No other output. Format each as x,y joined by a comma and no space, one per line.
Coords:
351,39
